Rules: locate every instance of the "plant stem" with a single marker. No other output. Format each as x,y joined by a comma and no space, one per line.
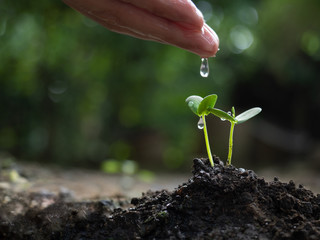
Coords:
207,140
230,143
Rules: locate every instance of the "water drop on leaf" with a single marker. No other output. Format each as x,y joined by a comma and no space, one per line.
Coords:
200,123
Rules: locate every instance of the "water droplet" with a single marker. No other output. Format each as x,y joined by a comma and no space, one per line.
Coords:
222,119
191,103
204,68
229,113
200,123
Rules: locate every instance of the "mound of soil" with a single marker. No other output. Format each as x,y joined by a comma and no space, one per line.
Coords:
223,202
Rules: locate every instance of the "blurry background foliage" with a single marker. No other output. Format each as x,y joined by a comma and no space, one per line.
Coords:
76,94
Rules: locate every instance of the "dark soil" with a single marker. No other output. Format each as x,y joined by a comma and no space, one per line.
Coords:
216,203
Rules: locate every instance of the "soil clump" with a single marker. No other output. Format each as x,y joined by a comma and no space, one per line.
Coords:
223,202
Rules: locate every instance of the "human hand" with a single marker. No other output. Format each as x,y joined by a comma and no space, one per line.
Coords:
174,22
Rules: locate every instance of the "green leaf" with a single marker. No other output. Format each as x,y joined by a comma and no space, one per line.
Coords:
208,102
233,112
222,115
248,114
194,102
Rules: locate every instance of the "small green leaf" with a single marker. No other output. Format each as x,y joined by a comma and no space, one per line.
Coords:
194,102
208,102
248,114
222,115
233,112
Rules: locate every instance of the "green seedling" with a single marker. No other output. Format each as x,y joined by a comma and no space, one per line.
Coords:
204,106
200,106
233,119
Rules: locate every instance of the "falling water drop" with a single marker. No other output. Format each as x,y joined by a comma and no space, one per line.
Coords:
204,68
200,123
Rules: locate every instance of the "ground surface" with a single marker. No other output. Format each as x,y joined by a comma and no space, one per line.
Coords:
215,203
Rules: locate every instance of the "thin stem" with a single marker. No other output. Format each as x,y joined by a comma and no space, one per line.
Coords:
207,140
230,143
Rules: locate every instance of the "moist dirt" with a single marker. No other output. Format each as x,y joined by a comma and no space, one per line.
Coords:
223,202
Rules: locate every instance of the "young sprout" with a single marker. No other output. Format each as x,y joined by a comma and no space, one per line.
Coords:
204,106
200,106
233,119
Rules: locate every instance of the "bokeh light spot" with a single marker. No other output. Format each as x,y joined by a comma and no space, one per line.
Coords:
241,38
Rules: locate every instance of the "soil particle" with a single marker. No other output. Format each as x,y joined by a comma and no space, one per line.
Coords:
223,202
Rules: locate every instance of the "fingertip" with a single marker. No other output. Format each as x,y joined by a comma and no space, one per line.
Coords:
210,43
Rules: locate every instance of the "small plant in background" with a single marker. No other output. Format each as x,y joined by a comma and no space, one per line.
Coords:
127,169
204,106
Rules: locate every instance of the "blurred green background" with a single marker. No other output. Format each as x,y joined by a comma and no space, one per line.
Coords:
76,94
